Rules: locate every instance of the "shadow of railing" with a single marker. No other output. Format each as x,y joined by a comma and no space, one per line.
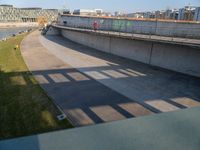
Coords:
82,95
117,86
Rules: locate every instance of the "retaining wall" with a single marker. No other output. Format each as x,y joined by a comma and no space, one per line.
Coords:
163,28
18,24
179,58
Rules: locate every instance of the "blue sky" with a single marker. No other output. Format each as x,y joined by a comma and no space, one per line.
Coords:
108,5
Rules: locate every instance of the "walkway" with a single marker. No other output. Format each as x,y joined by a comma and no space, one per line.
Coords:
93,87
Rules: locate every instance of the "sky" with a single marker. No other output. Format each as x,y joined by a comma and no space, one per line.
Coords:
107,5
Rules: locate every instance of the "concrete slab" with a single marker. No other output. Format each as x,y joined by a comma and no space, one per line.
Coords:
114,74
167,131
186,102
41,79
98,79
96,75
162,105
128,72
77,76
58,78
107,113
78,117
136,109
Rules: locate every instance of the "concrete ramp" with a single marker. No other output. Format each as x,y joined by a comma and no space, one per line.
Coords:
93,87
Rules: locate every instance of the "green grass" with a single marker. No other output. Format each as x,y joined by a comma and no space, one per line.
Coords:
25,109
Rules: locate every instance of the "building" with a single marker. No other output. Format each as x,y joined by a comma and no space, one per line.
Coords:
181,14
167,14
197,14
119,14
12,14
136,15
174,14
99,11
84,12
88,12
187,13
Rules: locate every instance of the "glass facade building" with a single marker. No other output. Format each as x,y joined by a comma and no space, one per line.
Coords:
8,13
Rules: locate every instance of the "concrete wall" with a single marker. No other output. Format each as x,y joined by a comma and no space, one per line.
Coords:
98,42
132,49
178,58
175,29
173,57
53,31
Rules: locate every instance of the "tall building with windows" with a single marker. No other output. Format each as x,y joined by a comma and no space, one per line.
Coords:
8,13
197,14
181,14
187,13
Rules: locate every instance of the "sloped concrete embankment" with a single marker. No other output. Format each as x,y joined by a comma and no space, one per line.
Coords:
184,59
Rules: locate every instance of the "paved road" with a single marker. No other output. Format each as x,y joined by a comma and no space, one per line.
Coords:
94,87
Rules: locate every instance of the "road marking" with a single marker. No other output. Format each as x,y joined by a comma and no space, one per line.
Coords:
78,76
185,101
107,113
58,78
135,109
162,105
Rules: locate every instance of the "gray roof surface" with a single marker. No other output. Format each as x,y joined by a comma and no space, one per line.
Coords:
166,131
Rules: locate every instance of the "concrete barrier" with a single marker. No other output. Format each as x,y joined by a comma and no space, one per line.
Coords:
53,31
178,58
163,28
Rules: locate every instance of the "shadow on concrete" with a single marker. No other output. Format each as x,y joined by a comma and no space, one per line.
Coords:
83,97
81,94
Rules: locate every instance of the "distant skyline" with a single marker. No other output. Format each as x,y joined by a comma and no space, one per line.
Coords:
126,6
